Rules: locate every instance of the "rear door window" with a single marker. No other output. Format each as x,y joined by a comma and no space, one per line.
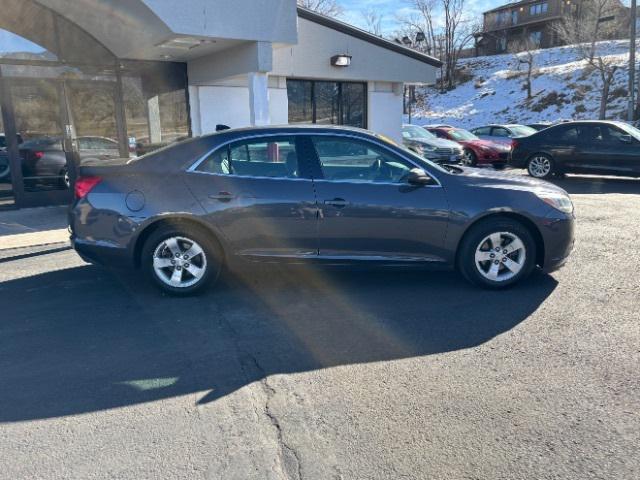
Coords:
500,132
482,131
272,157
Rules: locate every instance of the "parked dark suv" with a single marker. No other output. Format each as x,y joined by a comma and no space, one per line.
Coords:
591,147
314,194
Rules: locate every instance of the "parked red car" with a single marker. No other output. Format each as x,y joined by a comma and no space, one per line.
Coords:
476,150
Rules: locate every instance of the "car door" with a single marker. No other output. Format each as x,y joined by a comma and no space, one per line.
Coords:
623,151
501,135
594,150
368,211
258,194
561,142
482,132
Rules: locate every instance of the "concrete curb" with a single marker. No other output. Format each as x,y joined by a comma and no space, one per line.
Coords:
35,239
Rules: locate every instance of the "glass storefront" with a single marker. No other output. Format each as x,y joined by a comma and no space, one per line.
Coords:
66,100
327,103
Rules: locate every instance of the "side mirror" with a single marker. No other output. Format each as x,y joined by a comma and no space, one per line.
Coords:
418,176
626,139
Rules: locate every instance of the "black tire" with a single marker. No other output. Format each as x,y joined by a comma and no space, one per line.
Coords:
469,158
211,251
65,181
535,159
471,243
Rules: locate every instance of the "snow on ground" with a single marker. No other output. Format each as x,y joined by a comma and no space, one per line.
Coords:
563,86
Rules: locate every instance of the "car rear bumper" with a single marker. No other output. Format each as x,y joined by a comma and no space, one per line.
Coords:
101,253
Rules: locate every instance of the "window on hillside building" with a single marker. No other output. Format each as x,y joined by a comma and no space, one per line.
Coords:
538,8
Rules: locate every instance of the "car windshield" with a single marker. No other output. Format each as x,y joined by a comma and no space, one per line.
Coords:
461,134
414,132
633,131
522,130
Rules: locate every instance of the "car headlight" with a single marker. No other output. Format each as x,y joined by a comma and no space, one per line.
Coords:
557,200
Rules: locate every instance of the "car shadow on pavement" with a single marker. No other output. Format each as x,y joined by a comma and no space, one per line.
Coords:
86,339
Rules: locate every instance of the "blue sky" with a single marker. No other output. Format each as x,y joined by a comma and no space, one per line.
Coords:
390,9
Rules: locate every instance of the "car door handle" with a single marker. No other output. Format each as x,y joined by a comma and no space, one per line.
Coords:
337,202
222,196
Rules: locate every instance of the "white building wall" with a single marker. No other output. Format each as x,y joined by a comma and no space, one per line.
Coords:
384,109
227,103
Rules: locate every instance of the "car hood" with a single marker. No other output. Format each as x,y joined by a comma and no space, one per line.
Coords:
482,177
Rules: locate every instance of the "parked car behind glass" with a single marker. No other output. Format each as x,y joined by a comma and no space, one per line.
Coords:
324,195
476,150
503,133
429,146
591,147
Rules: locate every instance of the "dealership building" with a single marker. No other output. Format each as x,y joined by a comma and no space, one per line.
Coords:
102,79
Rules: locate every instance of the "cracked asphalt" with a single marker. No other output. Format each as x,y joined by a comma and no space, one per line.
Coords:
298,373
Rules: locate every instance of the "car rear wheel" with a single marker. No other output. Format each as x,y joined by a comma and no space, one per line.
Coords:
540,166
497,253
469,158
181,261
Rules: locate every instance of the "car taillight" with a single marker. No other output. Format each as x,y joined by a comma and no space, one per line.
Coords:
38,155
514,144
85,184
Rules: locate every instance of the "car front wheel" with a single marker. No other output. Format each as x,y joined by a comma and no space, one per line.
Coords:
540,166
469,158
181,261
497,253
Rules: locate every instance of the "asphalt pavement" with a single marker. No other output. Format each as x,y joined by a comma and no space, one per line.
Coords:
301,373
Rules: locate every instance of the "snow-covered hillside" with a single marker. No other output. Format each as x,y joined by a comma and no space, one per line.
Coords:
563,88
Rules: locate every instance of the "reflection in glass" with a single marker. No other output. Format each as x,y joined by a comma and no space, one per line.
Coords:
353,104
327,103
38,122
299,93
6,190
155,105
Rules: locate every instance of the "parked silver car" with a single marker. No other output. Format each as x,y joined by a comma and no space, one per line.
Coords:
426,144
504,134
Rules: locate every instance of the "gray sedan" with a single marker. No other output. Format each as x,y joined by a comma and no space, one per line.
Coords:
325,195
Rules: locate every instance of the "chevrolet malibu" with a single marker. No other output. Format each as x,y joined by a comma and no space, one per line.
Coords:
328,195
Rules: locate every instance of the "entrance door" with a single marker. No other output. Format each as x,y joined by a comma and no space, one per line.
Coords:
39,118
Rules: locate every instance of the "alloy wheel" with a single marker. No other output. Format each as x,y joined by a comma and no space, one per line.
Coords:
179,262
500,256
467,158
539,166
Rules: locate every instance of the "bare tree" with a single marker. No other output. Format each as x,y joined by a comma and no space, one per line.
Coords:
524,57
330,8
373,21
585,27
447,40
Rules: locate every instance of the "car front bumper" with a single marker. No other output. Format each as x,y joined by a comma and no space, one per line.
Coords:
558,232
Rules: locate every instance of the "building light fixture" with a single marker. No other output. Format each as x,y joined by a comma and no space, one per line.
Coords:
342,60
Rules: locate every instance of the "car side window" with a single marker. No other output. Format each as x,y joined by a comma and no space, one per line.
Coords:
347,159
439,133
481,131
614,136
273,157
562,135
500,132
